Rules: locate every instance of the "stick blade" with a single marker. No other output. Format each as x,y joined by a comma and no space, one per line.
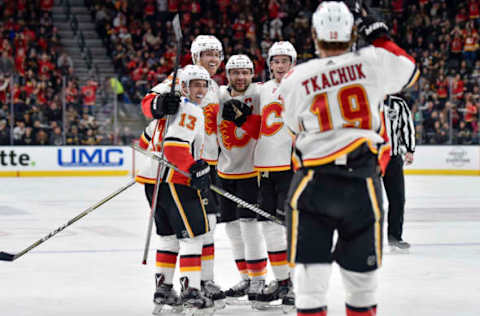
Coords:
4,256
177,28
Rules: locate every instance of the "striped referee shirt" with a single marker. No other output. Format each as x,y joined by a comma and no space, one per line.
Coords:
399,124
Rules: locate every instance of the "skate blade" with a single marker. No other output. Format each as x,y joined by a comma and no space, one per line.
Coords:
199,312
242,300
220,304
269,306
160,309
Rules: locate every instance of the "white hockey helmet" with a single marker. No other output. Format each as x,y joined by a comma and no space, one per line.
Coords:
193,72
238,62
333,22
203,43
281,48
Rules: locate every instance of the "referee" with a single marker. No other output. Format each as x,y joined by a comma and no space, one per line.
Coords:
401,132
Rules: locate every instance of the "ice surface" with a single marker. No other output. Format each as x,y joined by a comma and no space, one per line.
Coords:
94,266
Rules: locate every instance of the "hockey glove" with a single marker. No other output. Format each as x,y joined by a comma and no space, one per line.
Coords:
200,175
371,29
165,104
236,112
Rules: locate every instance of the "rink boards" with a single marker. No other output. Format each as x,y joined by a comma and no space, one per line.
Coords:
51,161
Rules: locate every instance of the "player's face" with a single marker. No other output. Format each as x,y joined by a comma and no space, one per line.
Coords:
198,90
280,65
240,79
210,60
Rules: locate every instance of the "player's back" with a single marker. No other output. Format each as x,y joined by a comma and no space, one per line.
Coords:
333,104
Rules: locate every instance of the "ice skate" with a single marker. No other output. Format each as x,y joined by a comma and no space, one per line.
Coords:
398,245
275,296
213,292
194,302
234,295
256,287
165,298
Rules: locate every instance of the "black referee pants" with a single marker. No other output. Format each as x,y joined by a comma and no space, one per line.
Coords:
394,184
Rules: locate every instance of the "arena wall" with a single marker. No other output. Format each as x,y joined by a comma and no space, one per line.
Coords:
52,161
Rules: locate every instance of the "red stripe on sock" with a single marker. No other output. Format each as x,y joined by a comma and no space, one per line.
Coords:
241,265
277,256
166,257
257,266
208,250
190,261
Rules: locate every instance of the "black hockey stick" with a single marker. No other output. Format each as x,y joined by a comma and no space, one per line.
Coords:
4,256
214,188
160,171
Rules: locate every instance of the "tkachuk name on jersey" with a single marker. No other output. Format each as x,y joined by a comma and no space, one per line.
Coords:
333,78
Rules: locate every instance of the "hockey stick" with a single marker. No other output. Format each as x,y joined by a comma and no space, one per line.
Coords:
161,168
4,256
214,188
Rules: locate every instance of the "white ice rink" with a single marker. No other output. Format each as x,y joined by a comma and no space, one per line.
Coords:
93,267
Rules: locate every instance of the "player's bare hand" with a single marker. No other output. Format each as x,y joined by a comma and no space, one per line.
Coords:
408,158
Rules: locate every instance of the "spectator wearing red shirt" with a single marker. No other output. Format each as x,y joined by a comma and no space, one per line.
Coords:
474,10
45,67
89,95
458,87
46,5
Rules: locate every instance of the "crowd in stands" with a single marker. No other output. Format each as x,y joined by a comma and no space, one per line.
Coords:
33,66
441,34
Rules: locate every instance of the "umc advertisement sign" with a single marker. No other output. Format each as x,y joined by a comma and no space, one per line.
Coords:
65,161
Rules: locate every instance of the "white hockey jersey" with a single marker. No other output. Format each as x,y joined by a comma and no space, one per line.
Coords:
209,105
333,104
184,142
235,159
273,151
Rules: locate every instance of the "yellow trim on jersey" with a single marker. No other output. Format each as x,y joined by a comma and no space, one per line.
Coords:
415,78
378,217
144,180
176,144
247,175
293,203
277,168
343,151
166,265
180,209
211,162
207,229
144,139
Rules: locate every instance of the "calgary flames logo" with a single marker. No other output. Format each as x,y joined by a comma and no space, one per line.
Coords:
229,136
210,112
276,109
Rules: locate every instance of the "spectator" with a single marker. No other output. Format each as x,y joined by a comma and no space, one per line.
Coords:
56,138
4,133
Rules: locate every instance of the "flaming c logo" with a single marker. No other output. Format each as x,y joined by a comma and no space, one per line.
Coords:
274,108
210,112
229,135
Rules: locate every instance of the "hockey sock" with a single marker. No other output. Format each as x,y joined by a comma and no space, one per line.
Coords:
255,254
190,260
208,250
276,241
166,259
361,311
310,286
235,235
360,288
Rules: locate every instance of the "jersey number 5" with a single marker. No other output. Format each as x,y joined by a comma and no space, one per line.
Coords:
354,108
191,121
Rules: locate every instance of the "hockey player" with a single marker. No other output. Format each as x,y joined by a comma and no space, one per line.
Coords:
275,172
207,52
332,105
237,175
180,216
